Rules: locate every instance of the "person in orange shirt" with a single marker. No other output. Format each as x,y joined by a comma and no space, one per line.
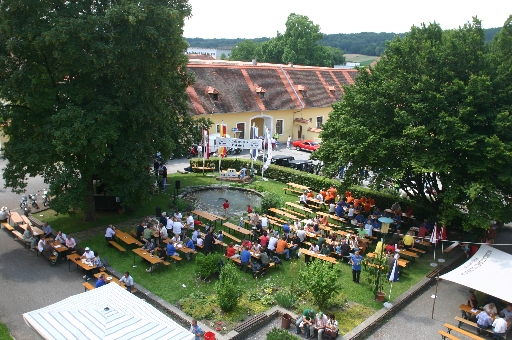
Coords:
310,194
372,201
282,248
350,199
362,200
331,194
323,193
348,194
367,207
356,202
323,220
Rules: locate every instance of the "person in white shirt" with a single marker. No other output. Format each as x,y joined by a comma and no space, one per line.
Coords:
128,281
301,234
314,248
332,208
490,308
190,221
351,211
177,227
264,221
40,244
296,224
273,242
319,197
507,311
195,235
88,254
499,326
163,233
200,241
109,234
70,244
178,215
61,237
169,226
303,199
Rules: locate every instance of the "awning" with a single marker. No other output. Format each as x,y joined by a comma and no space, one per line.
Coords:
489,271
108,312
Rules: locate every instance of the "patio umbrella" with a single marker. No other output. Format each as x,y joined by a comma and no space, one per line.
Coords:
433,239
385,224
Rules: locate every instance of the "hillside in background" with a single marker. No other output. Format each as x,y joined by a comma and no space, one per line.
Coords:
368,43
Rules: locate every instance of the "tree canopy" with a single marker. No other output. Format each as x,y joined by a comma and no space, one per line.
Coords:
92,90
432,116
298,45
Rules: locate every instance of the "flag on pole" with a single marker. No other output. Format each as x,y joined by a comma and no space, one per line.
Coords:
254,152
394,275
223,150
442,233
433,239
207,144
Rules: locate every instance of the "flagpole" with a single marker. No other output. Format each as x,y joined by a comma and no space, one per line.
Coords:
435,296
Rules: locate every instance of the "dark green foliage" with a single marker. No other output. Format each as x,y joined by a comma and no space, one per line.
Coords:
228,288
207,265
322,281
285,298
93,90
280,334
271,200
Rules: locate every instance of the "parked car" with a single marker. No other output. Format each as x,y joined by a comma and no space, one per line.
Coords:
281,160
306,145
302,165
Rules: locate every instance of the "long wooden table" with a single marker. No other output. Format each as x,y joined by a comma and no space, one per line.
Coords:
325,258
113,279
127,238
297,186
16,218
35,230
78,261
209,216
299,207
231,226
283,213
146,256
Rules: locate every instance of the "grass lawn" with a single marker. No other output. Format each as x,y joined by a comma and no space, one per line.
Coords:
365,60
352,306
4,332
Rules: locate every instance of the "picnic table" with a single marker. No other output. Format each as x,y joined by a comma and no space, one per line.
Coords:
325,258
35,230
300,207
16,218
79,262
234,227
111,279
209,216
297,186
127,238
334,217
283,213
146,256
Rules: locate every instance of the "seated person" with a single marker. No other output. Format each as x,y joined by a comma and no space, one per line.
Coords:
507,312
40,244
426,224
246,243
61,237
161,253
320,324
195,234
483,321
47,231
332,325
47,250
241,174
28,235
220,236
70,244
422,232
88,254
140,230
200,241
231,251
499,326
110,234
325,251
272,243
175,239
390,248
314,248
245,258
408,241
101,281
345,248
306,321
171,249
148,233
286,228
265,260
282,248
150,245
490,308
360,218
303,199
256,247
396,207
128,281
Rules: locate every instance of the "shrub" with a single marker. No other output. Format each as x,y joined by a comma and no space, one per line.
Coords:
285,298
271,200
322,280
207,265
280,334
197,306
228,287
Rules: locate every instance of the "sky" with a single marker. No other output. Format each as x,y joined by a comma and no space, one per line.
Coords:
263,18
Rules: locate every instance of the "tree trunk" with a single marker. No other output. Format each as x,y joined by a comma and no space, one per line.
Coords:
90,210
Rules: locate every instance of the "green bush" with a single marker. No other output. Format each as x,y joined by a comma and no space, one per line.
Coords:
285,298
178,204
280,334
322,280
228,287
197,306
207,265
270,200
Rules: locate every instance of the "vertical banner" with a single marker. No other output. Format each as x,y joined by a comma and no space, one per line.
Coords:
254,152
223,150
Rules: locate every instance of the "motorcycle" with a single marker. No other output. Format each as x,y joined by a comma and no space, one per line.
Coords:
33,201
234,151
24,205
45,198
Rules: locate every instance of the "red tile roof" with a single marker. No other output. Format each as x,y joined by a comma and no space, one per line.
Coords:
283,86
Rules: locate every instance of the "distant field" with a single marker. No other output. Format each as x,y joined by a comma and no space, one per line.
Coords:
365,60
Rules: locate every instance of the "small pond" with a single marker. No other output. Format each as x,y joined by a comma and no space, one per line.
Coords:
211,199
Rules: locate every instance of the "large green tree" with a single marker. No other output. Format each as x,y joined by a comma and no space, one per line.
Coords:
92,90
426,117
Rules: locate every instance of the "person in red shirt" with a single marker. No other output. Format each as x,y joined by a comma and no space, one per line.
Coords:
264,239
225,205
246,243
249,209
390,248
231,251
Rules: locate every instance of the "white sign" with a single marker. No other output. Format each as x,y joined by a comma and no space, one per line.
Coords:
239,143
234,129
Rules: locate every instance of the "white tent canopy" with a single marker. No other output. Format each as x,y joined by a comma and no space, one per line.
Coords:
488,271
108,312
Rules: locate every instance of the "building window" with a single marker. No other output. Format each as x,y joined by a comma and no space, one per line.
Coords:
241,128
279,126
319,121
218,128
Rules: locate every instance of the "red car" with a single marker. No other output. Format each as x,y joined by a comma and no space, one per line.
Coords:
306,145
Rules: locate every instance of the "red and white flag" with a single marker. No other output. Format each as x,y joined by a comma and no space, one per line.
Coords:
433,237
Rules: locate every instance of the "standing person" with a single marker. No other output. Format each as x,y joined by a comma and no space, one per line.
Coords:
355,261
195,329
225,205
164,177
209,240
288,142
128,281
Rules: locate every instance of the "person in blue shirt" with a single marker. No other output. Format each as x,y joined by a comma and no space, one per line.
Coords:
339,210
171,249
360,218
286,229
101,281
355,261
194,236
245,258
195,329
189,244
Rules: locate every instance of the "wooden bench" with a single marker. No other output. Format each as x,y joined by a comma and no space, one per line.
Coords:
232,237
18,236
88,286
470,323
176,258
292,191
463,332
117,246
419,251
7,226
445,336
293,212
